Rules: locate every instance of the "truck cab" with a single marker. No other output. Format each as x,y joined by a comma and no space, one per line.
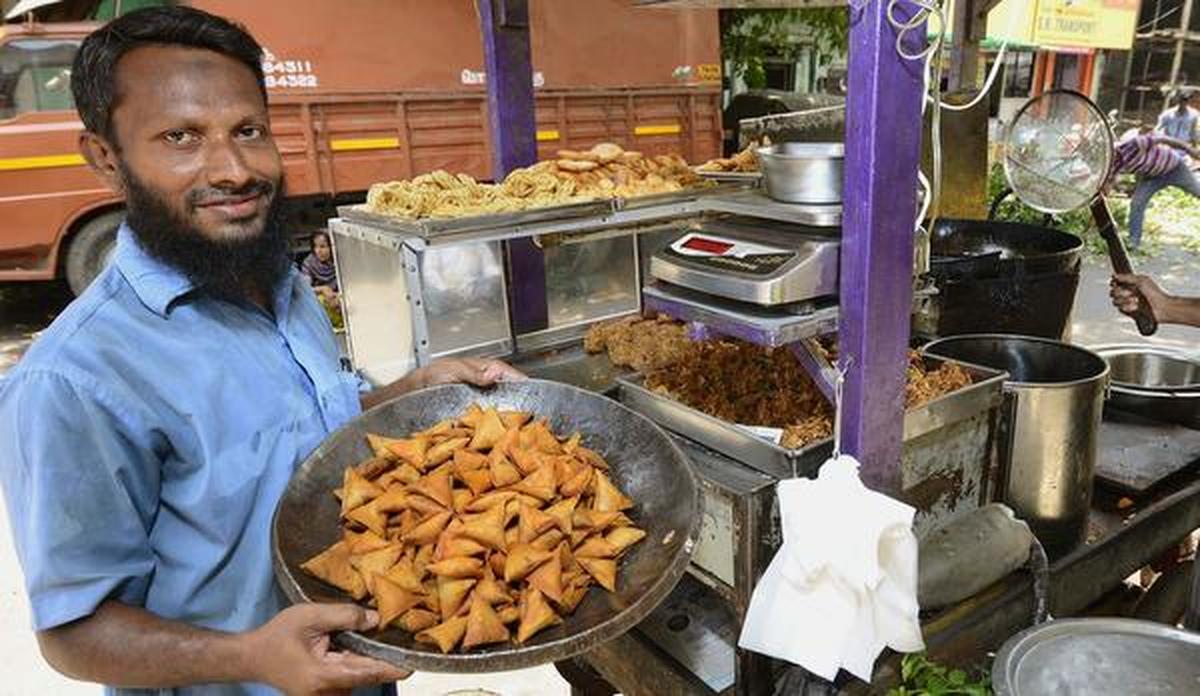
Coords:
57,219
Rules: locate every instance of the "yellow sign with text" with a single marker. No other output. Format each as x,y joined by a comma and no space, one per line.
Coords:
1065,23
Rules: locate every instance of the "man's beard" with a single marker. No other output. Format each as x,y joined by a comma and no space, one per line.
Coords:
232,268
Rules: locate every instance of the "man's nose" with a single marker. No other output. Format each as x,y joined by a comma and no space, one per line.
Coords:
226,166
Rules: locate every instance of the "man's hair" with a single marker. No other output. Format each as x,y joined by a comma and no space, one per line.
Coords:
94,73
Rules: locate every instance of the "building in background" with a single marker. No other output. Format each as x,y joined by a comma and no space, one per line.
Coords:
1165,58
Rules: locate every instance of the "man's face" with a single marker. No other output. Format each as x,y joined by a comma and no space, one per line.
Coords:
191,126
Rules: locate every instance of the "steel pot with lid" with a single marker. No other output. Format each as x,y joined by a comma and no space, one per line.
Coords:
803,172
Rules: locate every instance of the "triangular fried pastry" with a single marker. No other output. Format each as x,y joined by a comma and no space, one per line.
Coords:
622,538
594,521
572,596
468,460
436,486
364,542
497,562
357,491
451,593
404,576
422,558
392,599
563,513
374,467
483,626
427,531
592,458
622,520
527,460
540,484
424,506
369,517
444,450
445,635
394,499
608,497
604,570
508,614
487,528
410,451
572,443
436,429
578,483
532,523
522,560
478,480
548,577
595,547
462,498
377,562
333,567
490,500
379,445
488,432
550,539
491,590
457,567
461,546
542,439
407,519
471,416
504,473
515,419
404,474
536,615
417,620
513,508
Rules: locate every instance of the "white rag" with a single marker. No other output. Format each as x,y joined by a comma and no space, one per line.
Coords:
843,585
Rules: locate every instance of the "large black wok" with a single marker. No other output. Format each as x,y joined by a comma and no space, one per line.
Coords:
646,465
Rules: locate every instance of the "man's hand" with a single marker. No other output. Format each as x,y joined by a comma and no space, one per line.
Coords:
1128,292
292,651
481,372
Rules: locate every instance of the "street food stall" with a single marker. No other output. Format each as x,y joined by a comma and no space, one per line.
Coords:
739,311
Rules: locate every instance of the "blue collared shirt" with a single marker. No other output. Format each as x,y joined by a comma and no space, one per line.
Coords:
146,437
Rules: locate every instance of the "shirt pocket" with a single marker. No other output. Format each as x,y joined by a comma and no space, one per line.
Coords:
342,401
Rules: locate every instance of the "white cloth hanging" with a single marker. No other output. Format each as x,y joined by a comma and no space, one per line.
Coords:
843,585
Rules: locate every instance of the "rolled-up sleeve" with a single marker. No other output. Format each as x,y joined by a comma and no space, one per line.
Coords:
81,487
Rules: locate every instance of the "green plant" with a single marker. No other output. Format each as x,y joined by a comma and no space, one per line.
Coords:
920,676
748,37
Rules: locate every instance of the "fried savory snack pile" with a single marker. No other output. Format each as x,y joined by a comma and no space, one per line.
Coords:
475,527
743,161
642,344
747,384
605,171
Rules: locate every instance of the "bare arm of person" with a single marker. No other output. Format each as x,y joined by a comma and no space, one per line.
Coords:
1128,291
480,372
125,646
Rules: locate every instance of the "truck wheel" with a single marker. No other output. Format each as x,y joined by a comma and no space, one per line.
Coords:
91,249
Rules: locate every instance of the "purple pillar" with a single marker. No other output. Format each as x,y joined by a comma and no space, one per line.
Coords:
883,147
504,26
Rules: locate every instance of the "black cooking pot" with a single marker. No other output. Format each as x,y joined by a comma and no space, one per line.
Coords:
1003,277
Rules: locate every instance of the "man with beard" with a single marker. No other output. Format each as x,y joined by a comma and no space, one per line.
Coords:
146,437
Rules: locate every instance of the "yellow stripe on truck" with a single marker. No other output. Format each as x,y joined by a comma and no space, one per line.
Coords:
40,162
544,135
664,129
364,144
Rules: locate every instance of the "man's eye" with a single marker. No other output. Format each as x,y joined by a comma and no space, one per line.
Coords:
179,137
252,132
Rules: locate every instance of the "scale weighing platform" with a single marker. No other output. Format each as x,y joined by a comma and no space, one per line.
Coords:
755,261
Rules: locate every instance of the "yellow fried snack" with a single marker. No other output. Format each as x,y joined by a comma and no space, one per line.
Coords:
480,529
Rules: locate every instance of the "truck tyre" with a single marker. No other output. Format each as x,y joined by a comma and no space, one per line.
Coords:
91,249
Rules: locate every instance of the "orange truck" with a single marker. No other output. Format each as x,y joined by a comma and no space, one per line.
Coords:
361,92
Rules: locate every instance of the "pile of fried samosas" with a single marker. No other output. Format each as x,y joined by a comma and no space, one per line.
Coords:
477,526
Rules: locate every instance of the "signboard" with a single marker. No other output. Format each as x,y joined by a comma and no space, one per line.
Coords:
1065,23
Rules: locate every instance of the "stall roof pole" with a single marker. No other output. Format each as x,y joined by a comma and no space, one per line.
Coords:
504,26
883,148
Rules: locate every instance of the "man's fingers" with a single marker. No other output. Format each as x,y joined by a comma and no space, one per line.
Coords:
497,371
347,670
323,618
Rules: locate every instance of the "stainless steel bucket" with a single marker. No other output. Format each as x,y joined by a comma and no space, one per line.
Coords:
803,172
1049,453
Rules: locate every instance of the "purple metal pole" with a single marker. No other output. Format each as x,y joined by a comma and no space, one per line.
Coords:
883,147
504,26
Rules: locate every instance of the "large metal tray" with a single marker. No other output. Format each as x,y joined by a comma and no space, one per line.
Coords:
707,188
435,228
645,462
738,443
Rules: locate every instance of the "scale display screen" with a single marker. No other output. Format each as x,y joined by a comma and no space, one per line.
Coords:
708,246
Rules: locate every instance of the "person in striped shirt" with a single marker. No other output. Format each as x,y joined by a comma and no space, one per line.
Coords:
1158,161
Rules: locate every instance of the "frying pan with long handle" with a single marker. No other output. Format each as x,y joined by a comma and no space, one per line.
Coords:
1058,157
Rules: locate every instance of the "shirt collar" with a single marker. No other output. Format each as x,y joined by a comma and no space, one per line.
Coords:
157,284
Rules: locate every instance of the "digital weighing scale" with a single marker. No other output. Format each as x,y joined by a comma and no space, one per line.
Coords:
755,261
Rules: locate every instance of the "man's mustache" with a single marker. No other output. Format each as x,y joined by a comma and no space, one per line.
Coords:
209,196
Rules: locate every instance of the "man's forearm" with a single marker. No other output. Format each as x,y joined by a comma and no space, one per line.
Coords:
411,382
125,646
1182,310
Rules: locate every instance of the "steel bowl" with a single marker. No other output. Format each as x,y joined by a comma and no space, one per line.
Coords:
1151,368
645,464
803,172
1098,657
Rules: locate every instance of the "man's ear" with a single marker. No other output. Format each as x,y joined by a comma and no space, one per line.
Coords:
101,156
